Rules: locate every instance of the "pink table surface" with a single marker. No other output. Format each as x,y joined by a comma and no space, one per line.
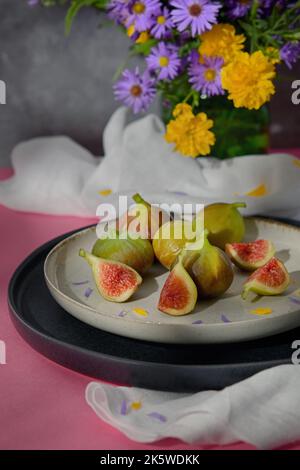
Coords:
42,404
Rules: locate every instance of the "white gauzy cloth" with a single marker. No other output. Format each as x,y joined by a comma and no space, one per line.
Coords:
55,175
263,410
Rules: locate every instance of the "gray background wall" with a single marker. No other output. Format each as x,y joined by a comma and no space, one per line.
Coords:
62,85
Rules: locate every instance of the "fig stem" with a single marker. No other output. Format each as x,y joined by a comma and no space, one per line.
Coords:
82,253
139,200
239,204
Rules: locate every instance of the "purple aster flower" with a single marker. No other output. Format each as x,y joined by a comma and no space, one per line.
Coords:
164,60
199,15
162,23
135,89
140,14
118,10
290,53
204,75
238,8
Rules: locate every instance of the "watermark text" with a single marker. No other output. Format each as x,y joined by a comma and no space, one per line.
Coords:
296,93
2,353
2,92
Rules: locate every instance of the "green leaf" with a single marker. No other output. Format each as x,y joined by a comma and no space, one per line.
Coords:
76,6
144,48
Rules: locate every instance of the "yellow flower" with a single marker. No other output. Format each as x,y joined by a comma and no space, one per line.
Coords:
248,80
222,41
130,30
143,37
190,133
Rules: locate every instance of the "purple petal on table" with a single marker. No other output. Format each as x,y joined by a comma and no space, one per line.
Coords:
80,283
88,292
225,319
122,314
158,416
197,322
294,300
32,3
123,410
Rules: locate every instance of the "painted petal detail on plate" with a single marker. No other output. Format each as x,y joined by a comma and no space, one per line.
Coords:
123,408
80,283
136,405
122,314
225,319
261,311
294,300
88,292
158,416
140,311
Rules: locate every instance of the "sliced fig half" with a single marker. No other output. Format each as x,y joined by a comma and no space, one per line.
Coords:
115,281
271,279
179,293
250,256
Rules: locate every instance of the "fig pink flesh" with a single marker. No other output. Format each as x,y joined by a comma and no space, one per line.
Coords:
175,294
116,279
272,274
253,251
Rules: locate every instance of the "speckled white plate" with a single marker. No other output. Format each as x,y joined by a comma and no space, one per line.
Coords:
226,319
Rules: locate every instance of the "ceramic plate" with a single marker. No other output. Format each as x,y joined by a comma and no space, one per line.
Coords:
227,319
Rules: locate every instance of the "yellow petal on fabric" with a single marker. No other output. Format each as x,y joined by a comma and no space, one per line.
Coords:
140,311
136,405
105,192
261,311
296,293
296,162
259,191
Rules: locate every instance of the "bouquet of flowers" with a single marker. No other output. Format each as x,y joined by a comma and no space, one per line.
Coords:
213,62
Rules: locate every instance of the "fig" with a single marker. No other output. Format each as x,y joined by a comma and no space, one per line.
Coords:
169,240
143,218
136,253
250,256
209,267
224,223
115,281
179,293
270,279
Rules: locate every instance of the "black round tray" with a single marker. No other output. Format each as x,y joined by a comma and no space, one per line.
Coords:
73,344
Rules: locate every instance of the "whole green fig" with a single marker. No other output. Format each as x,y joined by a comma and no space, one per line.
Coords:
224,223
136,253
209,267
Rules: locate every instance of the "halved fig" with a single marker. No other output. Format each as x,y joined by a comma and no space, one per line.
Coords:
179,293
115,281
271,279
250,256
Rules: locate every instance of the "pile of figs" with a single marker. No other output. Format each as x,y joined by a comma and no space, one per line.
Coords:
200,265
